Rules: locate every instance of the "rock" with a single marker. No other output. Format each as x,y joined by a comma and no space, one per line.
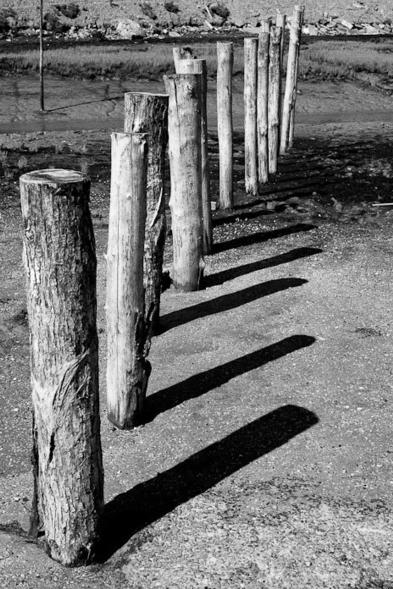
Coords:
68,10
310,30
130,29
347,24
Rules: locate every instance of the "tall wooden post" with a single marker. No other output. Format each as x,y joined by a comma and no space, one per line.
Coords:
300,18
274,98
184,125
225,123
281,23
198,66
127,368
180,53
290,83
41,64
250,115
148,113
263,104
60,263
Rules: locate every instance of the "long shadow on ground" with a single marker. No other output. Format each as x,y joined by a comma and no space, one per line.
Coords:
202,383
227,302
231,273
129,512
261,236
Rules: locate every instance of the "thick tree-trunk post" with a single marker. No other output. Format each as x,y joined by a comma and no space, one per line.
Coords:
184,125
60,262
148,113
298,18
263,104
224,122
180,53
290,83
127,368
198,66
274,98
250,115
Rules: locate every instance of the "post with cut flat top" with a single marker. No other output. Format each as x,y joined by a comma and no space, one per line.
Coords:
184,142
263,104
180,53
250,115
274,98
198,66
128,370
225,123
148,113
60,263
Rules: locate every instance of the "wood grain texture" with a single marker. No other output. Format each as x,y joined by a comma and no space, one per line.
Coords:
184,123
60,262
148,113
127,368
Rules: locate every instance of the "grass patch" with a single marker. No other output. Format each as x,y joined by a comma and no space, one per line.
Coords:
346,60
326,60
108,61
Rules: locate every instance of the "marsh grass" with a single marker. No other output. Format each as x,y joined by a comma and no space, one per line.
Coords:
326,60
107,61
346,60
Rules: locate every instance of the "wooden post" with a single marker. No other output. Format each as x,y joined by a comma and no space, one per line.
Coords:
299,18
262,107
250,115
224,122
180,53
290,83
127,368
198,66
274,98
60,263
184,124
281,23
148,113
41,64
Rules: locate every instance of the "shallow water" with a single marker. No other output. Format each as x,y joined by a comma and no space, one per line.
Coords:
98,104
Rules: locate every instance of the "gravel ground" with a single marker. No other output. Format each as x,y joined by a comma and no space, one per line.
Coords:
265,460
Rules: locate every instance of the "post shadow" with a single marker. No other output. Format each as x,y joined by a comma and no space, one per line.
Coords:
231,273
200,384
227,302
131,511
261,236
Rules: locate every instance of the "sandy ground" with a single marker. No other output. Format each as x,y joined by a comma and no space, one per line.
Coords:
265,461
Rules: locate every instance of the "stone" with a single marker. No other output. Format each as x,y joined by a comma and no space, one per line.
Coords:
130,29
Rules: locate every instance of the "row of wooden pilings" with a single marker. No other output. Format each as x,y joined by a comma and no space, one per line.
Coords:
60,262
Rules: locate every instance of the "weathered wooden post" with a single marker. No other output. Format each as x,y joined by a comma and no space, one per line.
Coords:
274,98
224,122
184,126
281,23
250,115
290,83
127,368
60,263
180,53
148,113
298,18
198,66
263,103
